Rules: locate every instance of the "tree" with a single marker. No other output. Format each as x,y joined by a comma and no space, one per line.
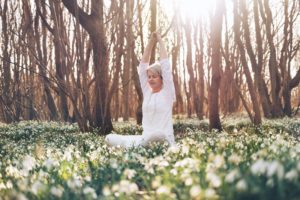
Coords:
256,119
216,31
93,23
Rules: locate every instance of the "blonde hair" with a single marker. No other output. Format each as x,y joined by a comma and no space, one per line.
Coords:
155,67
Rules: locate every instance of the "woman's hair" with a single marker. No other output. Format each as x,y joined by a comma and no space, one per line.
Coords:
155,67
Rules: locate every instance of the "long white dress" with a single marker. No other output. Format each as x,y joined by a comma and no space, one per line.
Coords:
157,112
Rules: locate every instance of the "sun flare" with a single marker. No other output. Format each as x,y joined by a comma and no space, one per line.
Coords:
194,9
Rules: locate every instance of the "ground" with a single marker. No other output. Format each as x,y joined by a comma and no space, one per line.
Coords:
51,160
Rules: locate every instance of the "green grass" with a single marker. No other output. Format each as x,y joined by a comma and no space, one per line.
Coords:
49,160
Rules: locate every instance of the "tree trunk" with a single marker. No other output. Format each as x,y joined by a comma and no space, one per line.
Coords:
6,68
200,67
257,117
42,55
216,31
60,57
273,65
257,65
127,59
94,25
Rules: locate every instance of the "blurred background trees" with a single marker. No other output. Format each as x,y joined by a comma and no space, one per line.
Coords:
75,61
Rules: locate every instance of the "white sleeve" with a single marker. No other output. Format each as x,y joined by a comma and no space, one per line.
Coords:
142,71
168,78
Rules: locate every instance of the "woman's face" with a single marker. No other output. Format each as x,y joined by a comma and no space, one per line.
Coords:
154,80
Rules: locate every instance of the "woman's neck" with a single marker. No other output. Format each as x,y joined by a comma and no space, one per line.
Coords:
156,90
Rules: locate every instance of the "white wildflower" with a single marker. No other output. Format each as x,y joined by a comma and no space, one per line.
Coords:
241,185
163,190
37,187
292,175
174,149
235,159
156,182
127,187
218,161
21,196
259,167
57,191
214,179
174,172
189,181
275,168
129,173
270,182
232,176
74,183
185,150
2,186
67,155
28,164
9,185
50,163
210,193
195,191
90,191
114,163
106,191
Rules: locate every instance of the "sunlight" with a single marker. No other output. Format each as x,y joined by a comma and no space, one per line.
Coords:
193,9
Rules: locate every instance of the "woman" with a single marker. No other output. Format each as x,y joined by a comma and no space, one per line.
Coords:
159,94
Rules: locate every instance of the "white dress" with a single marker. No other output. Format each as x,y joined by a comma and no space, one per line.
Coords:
157,112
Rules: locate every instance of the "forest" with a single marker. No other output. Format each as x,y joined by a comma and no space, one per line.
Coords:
69,77
76,61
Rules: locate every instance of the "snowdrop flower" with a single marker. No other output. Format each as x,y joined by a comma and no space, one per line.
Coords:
195,191
28,163
74,183
67,155
163,190
190,163
149,168
106,191
223,142
2,186
90,191
156,182
218,161
259,167
270,182
298,166
174,172
127,187
232,176
114,163
214,180
50,163
129,173
185,149
210,193
115,188
9,185
235,159
189,181
57,191
21,196
241,185
173,149
87,178
275,168
13,171
292,175
37,187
